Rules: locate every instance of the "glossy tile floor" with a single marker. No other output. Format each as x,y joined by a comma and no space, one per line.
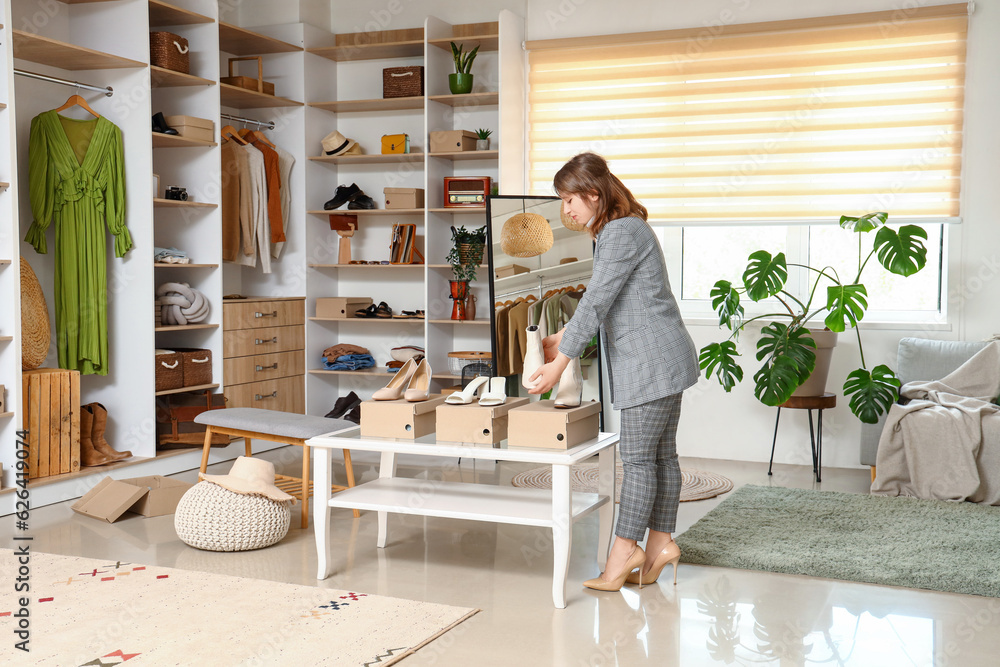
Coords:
713,616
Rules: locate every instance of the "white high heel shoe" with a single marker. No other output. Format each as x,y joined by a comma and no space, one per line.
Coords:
419,388
465,396
496,394
570,393
394,390
534,357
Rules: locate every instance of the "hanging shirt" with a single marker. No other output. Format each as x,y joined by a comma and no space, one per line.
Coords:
285,166
254,230
76,179
235,197
272,176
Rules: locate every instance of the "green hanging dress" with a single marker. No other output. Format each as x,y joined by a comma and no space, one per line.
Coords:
76,178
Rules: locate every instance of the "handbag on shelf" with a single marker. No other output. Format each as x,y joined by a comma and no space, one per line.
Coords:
395,143
402,247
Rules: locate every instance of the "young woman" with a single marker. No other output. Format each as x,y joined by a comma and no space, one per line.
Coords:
651,356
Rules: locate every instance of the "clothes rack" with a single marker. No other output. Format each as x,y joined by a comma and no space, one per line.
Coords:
542,286
107,90
265,124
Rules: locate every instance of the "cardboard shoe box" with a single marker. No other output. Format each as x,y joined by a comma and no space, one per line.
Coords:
510,270
474,423
341,307
452,141
396,198
542,425
399,419
191,127
149,496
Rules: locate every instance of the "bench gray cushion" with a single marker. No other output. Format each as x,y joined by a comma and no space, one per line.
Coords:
272,422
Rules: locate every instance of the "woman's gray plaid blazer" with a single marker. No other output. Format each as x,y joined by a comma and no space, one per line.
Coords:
649,351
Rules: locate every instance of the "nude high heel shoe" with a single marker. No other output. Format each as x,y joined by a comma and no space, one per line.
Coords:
534,357
419,387
670,555
570,393
637,558
394,390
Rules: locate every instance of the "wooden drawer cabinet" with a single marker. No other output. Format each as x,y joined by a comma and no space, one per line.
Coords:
263,349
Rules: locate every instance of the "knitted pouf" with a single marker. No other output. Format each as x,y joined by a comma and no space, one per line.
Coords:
214,518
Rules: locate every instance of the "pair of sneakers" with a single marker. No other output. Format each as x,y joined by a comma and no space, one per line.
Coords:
353,196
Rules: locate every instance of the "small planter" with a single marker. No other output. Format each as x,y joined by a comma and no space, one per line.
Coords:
467,256
815,385
459,294
460,84
482,144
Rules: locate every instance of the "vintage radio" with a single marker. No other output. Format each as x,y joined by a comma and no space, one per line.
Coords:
466,191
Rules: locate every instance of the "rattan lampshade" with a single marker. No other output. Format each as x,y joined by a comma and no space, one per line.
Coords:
35,332
570,223
526,235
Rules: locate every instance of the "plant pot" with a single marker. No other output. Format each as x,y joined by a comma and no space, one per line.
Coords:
459,84
482,144
459,294
815,385
467,255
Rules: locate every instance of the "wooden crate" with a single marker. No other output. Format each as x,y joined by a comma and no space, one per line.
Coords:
51,409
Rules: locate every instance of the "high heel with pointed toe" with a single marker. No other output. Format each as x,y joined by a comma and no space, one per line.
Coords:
671,555
419,387
465,396
637,558
397,385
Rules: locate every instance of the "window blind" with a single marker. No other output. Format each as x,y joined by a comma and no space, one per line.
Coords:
784,121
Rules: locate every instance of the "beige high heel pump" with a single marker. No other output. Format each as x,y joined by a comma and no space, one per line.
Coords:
637,558
671,555
398,383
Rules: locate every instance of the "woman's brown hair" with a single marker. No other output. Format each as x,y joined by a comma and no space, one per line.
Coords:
588,174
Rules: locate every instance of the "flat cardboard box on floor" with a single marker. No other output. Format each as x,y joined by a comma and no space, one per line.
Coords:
341,307
474,423
403,197
545,426
154,495
399,419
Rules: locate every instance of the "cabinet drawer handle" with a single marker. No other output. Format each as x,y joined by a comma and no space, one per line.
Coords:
271,314
259,397
267,368
262,341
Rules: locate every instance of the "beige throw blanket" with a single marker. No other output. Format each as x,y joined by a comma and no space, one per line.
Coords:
944,443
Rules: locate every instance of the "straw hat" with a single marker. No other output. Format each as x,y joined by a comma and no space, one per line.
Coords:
35,332
337,144
570,223
526,235
250,476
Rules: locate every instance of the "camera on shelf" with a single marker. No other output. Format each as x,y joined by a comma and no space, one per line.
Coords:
176,193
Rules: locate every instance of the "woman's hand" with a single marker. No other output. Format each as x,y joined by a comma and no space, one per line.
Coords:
548,375
550,344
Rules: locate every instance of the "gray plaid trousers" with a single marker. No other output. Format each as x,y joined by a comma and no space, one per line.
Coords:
651,486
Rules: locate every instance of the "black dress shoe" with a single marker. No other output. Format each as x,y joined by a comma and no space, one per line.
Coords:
343,195
354,415
160,124
343,405
361,201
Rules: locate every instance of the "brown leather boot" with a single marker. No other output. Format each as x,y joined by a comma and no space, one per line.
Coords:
89,456
100,425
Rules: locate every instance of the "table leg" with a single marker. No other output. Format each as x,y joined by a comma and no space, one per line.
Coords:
819,446
606,514
812,439
774,441
562,532
305,487
386,468
321,510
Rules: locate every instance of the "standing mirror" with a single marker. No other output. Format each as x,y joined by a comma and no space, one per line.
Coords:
539,268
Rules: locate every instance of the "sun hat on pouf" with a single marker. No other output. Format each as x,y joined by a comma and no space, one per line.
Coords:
250,475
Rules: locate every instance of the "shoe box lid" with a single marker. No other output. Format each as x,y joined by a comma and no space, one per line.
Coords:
153,495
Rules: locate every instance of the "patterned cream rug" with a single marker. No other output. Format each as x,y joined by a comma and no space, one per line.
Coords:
95,612
695,484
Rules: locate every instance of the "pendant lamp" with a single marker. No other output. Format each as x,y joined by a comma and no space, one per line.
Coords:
570,223
526,235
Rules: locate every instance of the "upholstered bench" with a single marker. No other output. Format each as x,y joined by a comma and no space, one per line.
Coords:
276,426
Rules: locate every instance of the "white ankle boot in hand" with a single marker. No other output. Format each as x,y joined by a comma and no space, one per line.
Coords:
534,357
570,393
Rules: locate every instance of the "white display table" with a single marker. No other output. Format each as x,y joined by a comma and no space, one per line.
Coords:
557,509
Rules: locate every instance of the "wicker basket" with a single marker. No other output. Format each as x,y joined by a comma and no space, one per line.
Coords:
403,81
169,370
197,365
169,51
36,334
459,360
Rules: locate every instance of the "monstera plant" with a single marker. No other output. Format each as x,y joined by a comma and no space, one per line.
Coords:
786,346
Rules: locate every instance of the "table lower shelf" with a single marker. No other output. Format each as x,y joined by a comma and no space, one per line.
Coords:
462,500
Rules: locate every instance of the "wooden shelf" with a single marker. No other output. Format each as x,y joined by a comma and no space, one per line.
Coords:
6,339
186,327
160,77
4,186
448,266
371,211
366,266
163,14
369,320
485,35
243,42
357,106
161,140
462,209
405,43
241,98
51,52
395,158
467,100
460,156
160,202
167,265
445,376
4,262
181,390
477,321
377,372
5,415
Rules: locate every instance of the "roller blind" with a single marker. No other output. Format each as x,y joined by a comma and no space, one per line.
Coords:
789,121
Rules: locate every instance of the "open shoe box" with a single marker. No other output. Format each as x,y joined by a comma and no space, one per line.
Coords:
154,495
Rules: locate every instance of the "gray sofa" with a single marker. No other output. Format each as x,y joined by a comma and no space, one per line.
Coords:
918,359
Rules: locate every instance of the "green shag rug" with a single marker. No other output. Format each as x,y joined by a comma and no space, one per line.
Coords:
930,544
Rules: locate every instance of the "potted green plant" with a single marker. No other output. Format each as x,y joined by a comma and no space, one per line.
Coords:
461,81
465,256
483,139
786,346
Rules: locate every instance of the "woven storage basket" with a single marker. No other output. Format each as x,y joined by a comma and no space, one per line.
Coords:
169,51
526,235
403,81
36,335
169,370
197,365
213,518
460,359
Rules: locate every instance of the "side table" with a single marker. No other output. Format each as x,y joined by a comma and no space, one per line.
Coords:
809,403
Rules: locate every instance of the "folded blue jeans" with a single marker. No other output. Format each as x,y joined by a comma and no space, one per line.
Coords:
349,362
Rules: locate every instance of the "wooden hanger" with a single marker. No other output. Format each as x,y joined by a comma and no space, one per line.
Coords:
530,298
229,132
255,135
76,100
